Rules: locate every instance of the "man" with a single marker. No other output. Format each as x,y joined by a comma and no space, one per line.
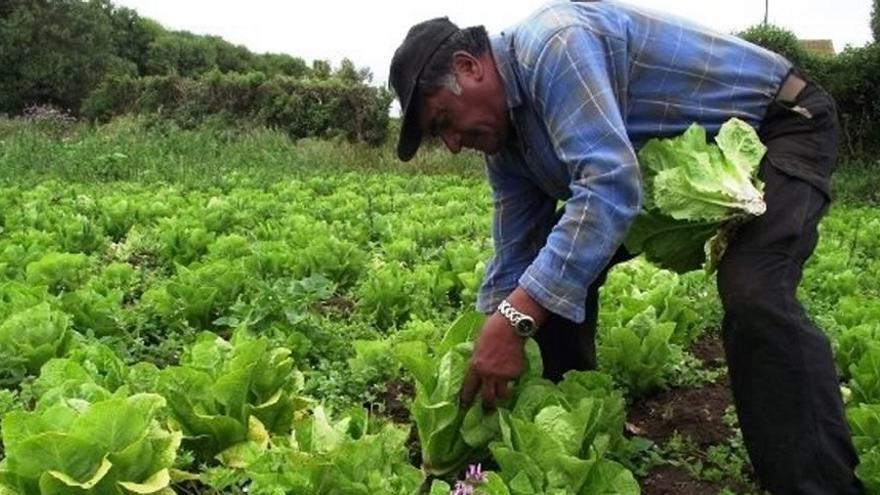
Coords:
560,104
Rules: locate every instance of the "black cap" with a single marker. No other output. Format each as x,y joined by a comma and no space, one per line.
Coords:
420,44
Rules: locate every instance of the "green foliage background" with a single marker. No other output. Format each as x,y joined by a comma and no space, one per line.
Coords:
852,77
875,20
97,60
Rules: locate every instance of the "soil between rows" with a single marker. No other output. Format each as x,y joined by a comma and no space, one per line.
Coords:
696,414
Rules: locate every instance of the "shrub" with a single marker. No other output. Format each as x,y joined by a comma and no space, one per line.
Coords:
777,39
299,107
851,77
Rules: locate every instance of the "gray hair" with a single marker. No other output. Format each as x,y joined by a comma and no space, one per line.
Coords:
450,82
438,71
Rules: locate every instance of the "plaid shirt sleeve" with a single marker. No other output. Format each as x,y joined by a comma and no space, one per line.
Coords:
523,215
574,85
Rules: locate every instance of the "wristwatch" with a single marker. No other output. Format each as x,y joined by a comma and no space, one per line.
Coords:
523,324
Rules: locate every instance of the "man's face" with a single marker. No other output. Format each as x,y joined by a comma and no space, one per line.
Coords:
475,119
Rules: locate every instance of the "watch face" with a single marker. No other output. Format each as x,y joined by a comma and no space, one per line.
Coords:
526,327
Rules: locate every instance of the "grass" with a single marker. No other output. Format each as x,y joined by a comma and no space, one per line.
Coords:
130,149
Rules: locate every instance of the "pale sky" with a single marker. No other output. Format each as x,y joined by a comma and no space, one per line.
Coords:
368,32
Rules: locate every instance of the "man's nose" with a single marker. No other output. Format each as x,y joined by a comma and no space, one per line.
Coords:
452,140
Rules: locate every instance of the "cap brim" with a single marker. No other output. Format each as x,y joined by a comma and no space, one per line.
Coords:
410,135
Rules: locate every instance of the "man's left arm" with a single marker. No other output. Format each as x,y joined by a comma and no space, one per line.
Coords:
579,100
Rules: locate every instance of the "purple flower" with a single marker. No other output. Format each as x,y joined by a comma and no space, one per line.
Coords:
472,478
462,488
475,475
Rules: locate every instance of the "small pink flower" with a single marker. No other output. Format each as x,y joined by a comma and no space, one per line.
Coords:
462,488
475,475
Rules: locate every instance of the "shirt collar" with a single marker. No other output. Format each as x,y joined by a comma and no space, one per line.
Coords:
502,51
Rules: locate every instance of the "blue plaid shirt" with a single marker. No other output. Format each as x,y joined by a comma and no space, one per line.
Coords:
587,84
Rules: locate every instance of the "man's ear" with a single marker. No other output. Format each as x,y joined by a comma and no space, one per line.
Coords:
465,64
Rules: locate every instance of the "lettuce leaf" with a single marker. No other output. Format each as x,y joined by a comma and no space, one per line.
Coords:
449,434
695,193
221,385
107,447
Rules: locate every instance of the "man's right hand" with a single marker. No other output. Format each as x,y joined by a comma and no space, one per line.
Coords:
499,357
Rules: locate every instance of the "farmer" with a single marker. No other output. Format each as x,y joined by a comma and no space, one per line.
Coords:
559,105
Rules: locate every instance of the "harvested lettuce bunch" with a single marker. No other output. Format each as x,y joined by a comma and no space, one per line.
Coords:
695,195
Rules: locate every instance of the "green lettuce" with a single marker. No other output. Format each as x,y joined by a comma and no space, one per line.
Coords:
864,421
327,456
639,353
223,392
865,381
547,438
696,194
557,438
35,335
113,446
449,434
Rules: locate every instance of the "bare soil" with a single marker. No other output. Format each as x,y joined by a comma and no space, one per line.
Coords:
335,306
395,401
671,480
710,350
696,414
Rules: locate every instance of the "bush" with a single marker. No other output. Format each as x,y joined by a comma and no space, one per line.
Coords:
299,107
852,77
779,40
114,96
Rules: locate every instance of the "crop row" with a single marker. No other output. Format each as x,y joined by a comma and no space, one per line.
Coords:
155,337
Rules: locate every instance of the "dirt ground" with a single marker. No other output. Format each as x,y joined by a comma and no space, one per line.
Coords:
696,414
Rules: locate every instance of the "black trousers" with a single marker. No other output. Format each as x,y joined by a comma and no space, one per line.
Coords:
785,385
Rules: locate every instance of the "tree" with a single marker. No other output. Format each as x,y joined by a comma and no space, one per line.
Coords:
231,58
132,36
348,72
779,40
280,64
54,51
321,69
875,20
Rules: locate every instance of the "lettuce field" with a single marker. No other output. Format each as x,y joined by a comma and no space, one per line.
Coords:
192,312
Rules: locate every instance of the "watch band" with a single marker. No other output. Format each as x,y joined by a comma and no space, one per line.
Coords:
523,324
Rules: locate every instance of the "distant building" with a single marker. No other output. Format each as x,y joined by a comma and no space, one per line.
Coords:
818,47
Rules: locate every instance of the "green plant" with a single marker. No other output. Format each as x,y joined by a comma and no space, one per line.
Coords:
33,336
777,39
695,194
557,440
224,394
639,353
58,271
331,456
111,446
865,382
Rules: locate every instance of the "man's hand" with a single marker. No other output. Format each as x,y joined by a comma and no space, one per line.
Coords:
499,354
499,357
